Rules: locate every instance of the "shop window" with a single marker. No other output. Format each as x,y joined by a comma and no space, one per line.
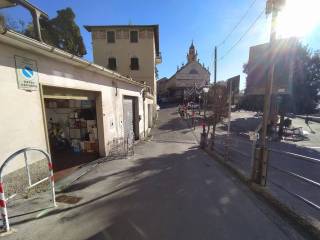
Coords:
112,63
134,36
134,63
111,38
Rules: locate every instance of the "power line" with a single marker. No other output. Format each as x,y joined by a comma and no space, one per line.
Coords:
245,33
237,25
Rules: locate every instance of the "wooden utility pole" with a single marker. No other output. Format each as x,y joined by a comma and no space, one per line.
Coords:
273,7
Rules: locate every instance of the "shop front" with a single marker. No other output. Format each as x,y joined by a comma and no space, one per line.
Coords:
72,128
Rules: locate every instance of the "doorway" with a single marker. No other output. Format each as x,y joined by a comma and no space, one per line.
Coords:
72,127
131,118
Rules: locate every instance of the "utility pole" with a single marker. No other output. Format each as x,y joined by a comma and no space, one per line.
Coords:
215,64
214,96
273,7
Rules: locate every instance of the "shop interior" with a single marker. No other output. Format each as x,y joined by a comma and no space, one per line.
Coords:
72,132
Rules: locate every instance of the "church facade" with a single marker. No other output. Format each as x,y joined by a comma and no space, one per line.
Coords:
187,83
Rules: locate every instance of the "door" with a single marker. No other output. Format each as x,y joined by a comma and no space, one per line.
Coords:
128,117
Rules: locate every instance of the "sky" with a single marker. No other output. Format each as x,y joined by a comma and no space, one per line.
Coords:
206,22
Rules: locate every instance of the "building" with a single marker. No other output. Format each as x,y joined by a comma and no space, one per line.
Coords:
162,91
131,50
282,56
74,109
187,82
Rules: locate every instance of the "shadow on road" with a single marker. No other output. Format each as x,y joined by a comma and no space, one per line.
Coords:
142,191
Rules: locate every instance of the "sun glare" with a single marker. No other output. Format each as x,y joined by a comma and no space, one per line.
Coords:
298,18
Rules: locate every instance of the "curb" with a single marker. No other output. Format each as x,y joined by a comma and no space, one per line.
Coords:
293,217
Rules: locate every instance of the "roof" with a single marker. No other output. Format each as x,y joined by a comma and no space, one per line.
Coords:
155,28
24,3
163,79
21,41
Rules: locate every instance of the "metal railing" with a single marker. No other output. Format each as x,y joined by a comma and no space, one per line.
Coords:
296,176
3,199
121,147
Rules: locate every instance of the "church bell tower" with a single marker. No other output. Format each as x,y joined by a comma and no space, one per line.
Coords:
192,55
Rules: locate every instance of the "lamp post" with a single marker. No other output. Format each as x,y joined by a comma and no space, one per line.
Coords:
203,141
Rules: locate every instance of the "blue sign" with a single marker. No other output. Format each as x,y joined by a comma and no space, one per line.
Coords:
27,72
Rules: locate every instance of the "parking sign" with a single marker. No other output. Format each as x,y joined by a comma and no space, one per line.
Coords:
27,73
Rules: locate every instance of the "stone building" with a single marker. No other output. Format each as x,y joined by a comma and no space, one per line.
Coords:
187,82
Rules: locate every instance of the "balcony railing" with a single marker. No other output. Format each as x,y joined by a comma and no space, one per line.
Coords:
158,58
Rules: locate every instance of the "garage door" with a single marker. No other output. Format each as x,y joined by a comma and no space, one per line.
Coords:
128,117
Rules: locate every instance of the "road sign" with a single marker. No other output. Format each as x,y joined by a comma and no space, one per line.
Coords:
253,136
27,73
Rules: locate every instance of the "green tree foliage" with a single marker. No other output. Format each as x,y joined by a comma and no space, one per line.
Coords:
306,84
61,32
251,103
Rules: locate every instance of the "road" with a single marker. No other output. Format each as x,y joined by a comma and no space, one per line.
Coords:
169,190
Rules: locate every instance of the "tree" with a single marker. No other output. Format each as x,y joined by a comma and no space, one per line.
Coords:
305,86
63,32
16,25
218,96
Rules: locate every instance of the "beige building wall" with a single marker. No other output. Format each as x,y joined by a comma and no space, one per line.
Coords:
123,50
22,120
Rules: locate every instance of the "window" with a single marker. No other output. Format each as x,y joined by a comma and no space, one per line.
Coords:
111,37
134,63
112,63
134,36
193,71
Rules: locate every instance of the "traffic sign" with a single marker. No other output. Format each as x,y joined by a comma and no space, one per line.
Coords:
27,73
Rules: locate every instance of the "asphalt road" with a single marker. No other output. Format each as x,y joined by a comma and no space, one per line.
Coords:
169,190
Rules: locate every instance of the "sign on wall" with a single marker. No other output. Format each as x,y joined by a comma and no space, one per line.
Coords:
27,73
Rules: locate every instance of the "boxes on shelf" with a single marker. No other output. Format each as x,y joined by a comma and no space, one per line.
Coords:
91,146
75,133
75,144
82,146
91,124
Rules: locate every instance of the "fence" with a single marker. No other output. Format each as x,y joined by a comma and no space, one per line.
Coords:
283,167
4,200
120,148
308,183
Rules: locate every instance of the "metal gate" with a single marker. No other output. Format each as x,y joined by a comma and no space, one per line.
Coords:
128,118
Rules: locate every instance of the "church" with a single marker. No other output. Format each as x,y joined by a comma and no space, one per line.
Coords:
186,84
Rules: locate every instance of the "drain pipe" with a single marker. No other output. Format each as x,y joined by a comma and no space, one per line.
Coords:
144,109
3,28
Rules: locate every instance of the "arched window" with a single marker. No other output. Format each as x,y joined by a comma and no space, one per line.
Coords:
193,71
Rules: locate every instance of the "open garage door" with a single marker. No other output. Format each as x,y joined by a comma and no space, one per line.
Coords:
72,126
